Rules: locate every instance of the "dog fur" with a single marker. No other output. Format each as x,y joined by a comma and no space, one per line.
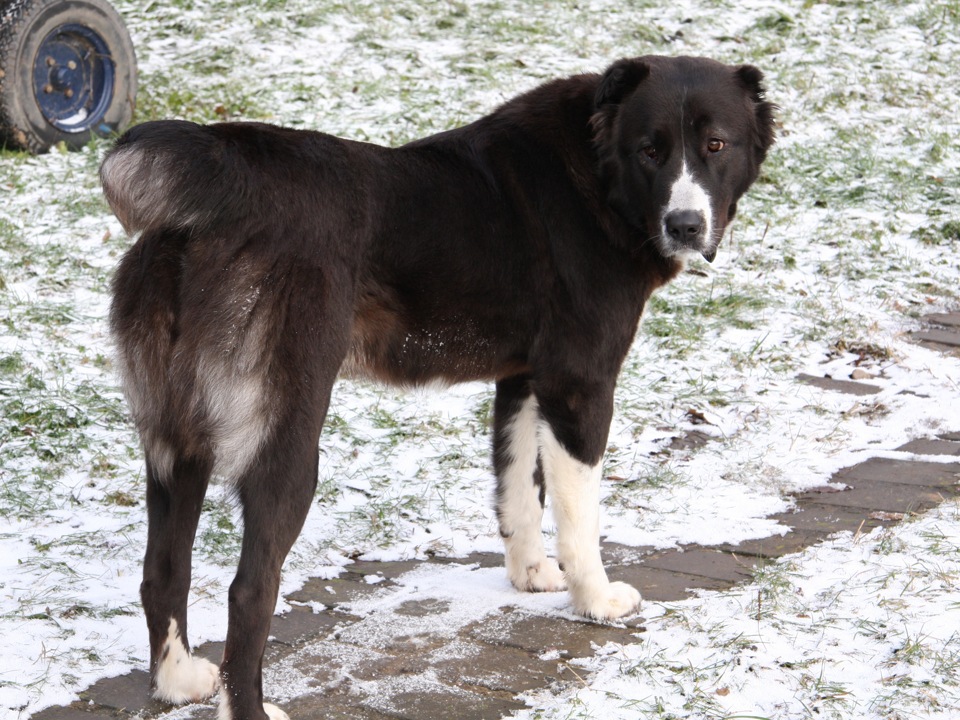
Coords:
519,249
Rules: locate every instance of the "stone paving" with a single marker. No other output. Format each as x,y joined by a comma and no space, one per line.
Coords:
476,671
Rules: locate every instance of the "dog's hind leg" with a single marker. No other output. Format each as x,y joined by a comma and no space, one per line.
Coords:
520,491
304,348
144,321
174,498
276,494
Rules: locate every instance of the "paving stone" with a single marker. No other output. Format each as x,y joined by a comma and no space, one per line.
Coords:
931,447
814,517
851,387
390,570
423,608
402,660
537,635
130,693
657,585
422,644
500,669
480,559
196,712
872,495
704,562
906,472
934,336
616,554
383,630
326,663
343,589
71,713
942,349
951,319
212,651
302,623
442,703
775,546
322,705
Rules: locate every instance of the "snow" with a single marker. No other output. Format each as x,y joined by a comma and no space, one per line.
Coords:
861,627
824,272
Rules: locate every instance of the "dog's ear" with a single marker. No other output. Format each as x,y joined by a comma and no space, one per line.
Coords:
619,80
751,79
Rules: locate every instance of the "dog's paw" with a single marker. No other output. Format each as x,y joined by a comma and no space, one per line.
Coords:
186,679
542,576
274,713
608,601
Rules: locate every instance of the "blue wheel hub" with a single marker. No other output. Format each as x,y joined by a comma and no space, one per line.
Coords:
73,78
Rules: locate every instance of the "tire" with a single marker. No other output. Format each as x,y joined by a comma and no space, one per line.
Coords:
67,72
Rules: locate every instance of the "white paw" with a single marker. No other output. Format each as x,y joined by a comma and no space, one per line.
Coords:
180,677
274,713
607,601
186,679
540,576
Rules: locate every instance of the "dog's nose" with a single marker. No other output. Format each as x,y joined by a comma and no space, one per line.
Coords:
684,225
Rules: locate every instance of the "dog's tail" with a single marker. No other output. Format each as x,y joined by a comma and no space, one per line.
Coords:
188,360
172,175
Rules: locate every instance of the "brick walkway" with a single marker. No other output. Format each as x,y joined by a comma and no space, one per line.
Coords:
476,671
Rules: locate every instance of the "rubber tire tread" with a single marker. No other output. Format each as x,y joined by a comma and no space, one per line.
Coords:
22,126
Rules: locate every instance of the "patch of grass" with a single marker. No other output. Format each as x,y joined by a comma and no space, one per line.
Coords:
946,233
163,97
867,353
218,536
682,321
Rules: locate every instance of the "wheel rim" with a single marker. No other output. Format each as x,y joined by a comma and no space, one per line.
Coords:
73,78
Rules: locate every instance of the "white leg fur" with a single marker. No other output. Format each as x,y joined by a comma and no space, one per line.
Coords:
574,490
528,566
272,711
182,678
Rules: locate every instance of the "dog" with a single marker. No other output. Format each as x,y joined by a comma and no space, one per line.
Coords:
518,249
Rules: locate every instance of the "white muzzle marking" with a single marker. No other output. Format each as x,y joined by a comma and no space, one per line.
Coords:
687,196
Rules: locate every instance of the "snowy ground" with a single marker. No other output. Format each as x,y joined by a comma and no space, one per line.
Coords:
850,236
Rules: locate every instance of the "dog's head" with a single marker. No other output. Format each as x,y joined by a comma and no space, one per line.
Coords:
679,140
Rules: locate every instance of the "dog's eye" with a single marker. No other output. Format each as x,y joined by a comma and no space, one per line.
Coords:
650,152
715,145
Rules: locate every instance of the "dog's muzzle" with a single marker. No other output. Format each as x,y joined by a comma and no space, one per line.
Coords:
688,232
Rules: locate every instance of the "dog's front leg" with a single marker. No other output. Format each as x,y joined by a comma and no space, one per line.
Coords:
572,437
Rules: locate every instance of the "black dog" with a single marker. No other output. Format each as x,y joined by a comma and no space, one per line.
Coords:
520,249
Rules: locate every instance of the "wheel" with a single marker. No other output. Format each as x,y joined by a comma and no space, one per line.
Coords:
67,72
